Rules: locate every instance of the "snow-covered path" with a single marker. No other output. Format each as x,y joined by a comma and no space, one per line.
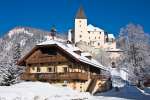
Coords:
126,93
45,91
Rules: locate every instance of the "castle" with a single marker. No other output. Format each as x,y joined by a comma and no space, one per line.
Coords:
90,34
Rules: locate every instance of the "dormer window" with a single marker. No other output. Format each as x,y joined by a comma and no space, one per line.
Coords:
89,57
78,52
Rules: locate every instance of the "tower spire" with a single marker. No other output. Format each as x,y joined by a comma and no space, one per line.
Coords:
80,13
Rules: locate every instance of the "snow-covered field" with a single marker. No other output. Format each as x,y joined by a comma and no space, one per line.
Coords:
45,91
40,91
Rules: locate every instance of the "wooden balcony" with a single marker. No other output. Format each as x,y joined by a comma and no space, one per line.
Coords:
56,58
55,76
60,76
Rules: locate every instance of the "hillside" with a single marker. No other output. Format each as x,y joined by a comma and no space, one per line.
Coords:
27,37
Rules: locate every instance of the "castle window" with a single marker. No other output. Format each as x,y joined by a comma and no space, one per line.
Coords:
95,37
38,69
89,32
98,44
100,32
80,36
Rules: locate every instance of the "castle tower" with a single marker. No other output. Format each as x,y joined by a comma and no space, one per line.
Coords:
80,26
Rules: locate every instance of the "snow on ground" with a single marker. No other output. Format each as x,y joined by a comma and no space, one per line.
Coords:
46,91
40,91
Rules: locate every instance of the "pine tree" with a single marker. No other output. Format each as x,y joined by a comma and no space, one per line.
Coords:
9,76
16,53
10,71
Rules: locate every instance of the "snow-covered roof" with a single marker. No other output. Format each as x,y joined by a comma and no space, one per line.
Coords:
90,27
111,36
70,50
115,50
74,48
85,54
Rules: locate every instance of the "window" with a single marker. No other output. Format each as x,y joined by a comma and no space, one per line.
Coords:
80,25
89,37
49,51
80,36
65,69
38,69
99,37
79,21
33,68
95,37
100,32
98,44
49,69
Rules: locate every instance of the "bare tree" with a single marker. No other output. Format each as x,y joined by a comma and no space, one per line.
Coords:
135,44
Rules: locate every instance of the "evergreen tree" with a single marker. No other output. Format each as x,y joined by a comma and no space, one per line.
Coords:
10,71
16,53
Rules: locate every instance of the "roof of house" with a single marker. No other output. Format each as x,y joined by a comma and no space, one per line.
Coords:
85,54
69,49
90,27
80,13
114,50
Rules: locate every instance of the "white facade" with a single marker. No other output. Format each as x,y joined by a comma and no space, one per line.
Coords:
80,30
90,34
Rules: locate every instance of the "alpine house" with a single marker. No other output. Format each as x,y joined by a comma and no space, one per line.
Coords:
60,62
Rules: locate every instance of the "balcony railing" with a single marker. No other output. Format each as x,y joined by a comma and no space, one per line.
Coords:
60,76
47,59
